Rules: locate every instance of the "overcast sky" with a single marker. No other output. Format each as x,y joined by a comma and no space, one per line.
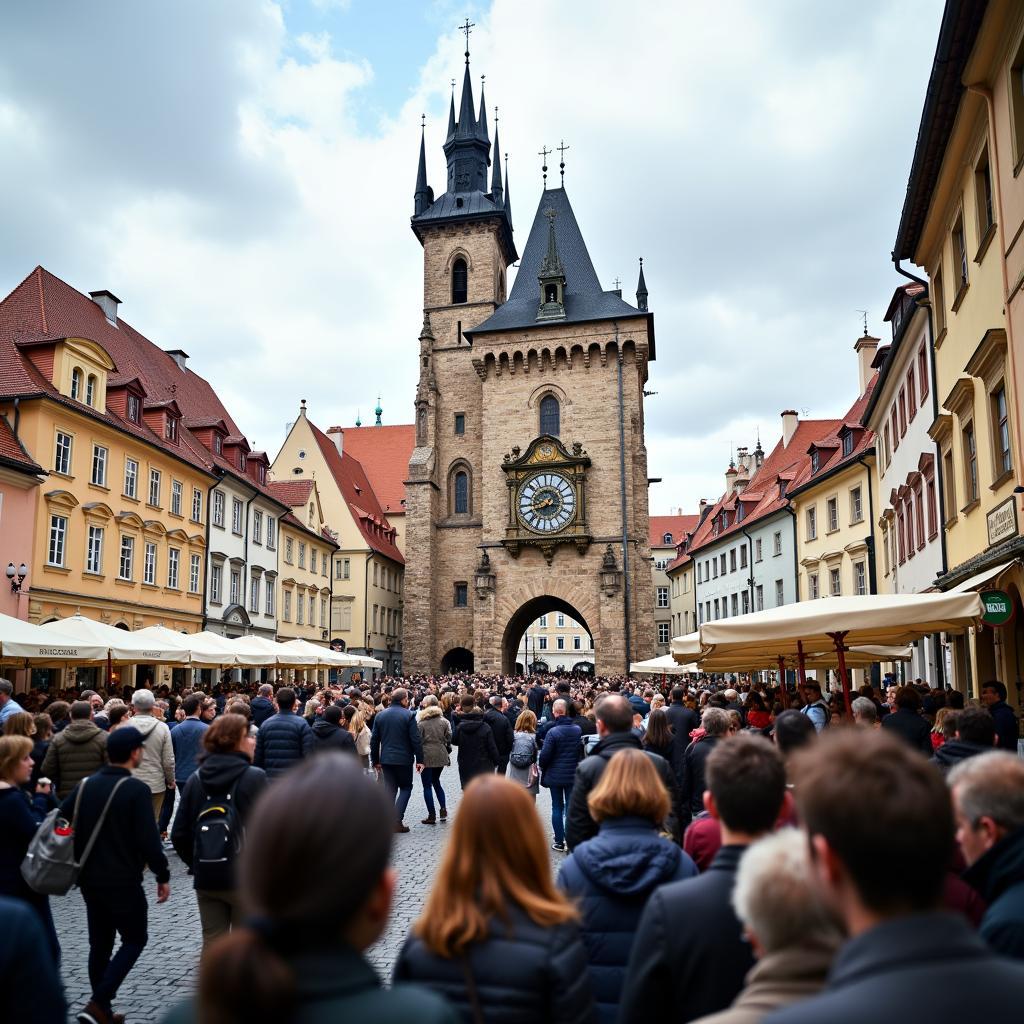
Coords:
241,173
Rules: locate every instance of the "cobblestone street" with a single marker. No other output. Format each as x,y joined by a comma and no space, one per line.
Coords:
166,971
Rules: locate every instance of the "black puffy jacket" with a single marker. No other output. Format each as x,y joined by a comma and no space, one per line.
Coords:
283,740
330,736
523,974
478,753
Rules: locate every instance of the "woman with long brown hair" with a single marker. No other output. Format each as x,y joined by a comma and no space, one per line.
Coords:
496,937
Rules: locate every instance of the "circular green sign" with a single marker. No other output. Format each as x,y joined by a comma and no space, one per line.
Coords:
998,607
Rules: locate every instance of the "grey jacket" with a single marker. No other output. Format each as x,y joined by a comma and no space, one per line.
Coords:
157,767
75,752
436,736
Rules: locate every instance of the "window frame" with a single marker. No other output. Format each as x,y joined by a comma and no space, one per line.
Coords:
94,551
63,453
131,475
99,479
57,541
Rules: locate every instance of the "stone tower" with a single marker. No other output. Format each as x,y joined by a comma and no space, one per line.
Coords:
527,489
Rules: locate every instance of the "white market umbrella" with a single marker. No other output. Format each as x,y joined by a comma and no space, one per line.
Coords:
326,658
205,650
665,665
277,655
124,647
22,641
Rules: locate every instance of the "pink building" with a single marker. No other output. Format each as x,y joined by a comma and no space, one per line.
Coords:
20,478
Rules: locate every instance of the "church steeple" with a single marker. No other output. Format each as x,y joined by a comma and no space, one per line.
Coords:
424,194
508,195
467,149
451,115
641,289
551,277
496,189
481,125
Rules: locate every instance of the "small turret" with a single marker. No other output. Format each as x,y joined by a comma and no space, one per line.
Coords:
551,277
496,189
424,194
378,412
641,289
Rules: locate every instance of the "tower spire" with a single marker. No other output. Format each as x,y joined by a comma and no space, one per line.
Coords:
467,116
496,189
422,197
481,127
508,195
451,115
641,289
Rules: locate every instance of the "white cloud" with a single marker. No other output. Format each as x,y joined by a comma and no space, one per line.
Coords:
216,177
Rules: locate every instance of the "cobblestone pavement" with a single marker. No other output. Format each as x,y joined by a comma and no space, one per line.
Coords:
165,972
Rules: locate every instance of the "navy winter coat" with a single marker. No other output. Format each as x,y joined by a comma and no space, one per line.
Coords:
1007,730
283,740
187,742
395,738
262,708
998,875
694,760
610,878
561,753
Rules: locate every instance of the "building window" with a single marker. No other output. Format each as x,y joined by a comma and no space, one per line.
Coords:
62,454
933,519
346,568
745,599
815,461
171,428
723,563
323,613
271,533
288,546
236,585
902,402
312,613
848,443
718,609
560,643
461,499
218,444
662,601
667,538
732,560
542,643
154,487
460,423
743,557
959,243
269,607
236,516
911,547
125,569
460,281
663,636
76,384
758,551
777,542
856,505
90,390
286,606
812,586
812,522
175,497
550,416
922,373
99,465
759,598
886,451
174,568
734,603
132,408
543,620
1001,431
149,565
833,514
254,595
302,555
215,583
58,540
218,508
911,394
895,423
983,195
901,531
970,447
257,527
714,567
780,593
560,619
323,565
835,587
94,550
461,595
919,517
193,574
860,579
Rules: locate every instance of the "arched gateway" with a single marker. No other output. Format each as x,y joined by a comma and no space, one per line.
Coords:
527,489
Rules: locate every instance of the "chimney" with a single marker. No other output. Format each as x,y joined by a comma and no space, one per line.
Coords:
790,420
730,479
179,356
865,349
108,302
337,435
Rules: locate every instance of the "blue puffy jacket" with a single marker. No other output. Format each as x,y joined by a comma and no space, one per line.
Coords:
610,877
395,738
282,740
561,753
187,741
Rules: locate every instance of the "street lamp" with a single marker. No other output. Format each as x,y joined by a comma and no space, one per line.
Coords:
16,576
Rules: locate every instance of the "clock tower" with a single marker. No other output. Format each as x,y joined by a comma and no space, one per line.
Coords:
527,488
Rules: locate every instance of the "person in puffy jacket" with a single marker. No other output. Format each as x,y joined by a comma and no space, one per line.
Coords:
75,752
225,772
284,739
496,938
478,753
262,705
436,736
559,757
330,734
610,876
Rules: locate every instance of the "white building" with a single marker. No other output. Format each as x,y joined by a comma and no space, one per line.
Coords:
556,643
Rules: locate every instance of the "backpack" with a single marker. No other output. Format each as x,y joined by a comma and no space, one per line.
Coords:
49,867
524,751
216,841
820,703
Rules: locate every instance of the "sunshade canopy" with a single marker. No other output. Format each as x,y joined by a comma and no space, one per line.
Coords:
124,647
22,641
205,650
665,665
325,657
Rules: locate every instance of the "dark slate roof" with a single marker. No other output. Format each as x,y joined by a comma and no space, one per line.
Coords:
447,206
585,299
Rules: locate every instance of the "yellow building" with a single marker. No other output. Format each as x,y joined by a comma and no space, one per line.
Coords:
682,594
961,225
666,533
366,584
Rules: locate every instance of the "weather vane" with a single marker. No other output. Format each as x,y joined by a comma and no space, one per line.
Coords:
467,27
864,314
561,149
423,120
543,152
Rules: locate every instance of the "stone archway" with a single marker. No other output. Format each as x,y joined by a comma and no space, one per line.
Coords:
458,659
520,620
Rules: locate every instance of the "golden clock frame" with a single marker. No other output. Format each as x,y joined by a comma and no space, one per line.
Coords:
546,453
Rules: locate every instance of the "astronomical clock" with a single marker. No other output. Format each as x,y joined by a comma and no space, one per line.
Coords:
547,497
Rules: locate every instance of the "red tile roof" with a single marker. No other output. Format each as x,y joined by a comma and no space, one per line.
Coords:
355,488
293,520
384,454
12,453
292,492
678,526
45,307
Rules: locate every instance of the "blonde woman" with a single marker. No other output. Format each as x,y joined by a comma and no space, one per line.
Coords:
522,762
355,722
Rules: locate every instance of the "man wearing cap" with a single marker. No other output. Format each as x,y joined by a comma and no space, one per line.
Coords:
111,878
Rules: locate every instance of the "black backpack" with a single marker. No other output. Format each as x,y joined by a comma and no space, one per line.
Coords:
217,841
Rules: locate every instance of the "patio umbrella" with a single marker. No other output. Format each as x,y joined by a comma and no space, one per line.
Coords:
124,647
279,655
325,657
205,650
22,642
665,665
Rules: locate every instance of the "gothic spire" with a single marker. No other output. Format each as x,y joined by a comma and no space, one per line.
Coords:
466,127
508,195
422,197
552,265
641,289
496,189
481,126
451,115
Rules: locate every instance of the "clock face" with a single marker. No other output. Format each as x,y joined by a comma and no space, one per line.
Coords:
547,502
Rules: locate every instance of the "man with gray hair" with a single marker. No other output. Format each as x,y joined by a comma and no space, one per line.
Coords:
792,934
714,727
988,802
504,736
8,705
865,714
157,767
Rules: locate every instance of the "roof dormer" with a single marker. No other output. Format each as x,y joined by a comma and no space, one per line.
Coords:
77,368
163,418
257,465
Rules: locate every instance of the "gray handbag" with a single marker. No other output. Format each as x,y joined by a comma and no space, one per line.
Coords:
49,866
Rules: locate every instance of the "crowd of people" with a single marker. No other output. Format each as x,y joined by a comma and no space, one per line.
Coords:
724,851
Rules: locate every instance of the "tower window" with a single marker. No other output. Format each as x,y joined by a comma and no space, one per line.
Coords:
461,493
550,416
460,281
551,293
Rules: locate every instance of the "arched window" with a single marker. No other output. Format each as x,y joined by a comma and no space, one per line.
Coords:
76,384
461,486
551,293
667,539
550,416
460,281
90,390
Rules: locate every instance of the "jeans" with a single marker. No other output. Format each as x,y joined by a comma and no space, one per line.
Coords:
111,912
431,779
560,797
398,779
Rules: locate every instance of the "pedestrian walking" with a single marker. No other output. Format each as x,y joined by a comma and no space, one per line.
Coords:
32,992
216,803
714,727
262,705
111,878
611,876
75,752
993,697
559,757
436,736
495,717
522,765
496,938
355,722
907,722
299,954
156,769
395,745
478,753
8,705
974,734
330,734
283,739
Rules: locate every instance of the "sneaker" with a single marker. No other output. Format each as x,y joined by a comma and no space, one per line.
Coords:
93,1013
560,847
401,828
429,820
